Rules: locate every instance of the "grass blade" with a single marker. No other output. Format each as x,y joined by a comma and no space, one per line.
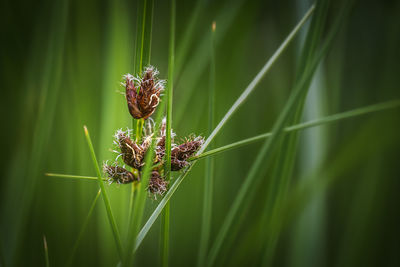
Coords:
83,228
322,121
209,165
170,86
266,150
105,196
227,116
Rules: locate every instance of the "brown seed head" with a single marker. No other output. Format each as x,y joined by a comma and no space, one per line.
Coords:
143,103
132,154
181,153
118,174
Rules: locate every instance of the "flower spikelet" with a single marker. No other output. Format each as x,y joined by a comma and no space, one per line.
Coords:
143,102
131,152
157,185
118,174
181,153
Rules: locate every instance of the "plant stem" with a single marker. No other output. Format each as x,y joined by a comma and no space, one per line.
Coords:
168,137
139,130
105,196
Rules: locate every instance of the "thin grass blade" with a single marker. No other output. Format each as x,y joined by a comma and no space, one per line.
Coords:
105,196
83,228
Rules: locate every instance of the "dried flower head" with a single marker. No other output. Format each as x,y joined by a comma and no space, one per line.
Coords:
180,154
142,103
132,153
118,174
157,185
160,148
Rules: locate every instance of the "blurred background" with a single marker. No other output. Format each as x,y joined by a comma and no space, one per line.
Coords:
61,65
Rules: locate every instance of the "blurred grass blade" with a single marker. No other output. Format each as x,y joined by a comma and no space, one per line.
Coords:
46,251
190,72
209,165
170,86
73,176
44,78
266,150
105,196
144,28
230,112
189,31
83,228
280,181
259,76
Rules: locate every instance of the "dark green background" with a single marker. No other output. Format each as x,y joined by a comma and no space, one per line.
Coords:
61,64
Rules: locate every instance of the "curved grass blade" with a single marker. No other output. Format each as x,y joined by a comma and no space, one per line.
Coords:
105,196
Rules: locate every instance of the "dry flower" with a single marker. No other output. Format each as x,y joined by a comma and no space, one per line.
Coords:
131,152
157,185
143,102
180,154
119,174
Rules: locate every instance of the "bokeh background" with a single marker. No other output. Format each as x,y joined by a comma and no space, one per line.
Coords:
61,65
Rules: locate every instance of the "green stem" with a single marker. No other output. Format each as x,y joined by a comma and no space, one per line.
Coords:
170,84
139,130
105,196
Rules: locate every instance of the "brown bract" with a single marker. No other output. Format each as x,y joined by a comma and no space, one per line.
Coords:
142,103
